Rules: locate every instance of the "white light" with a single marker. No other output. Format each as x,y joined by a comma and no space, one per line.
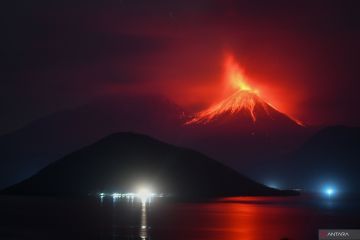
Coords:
116,195
144,194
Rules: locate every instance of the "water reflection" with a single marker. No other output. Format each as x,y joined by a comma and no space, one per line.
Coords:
232,219
143,233
246,218
129,218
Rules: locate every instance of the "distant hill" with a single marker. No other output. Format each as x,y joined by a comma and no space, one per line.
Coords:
121,161
330,156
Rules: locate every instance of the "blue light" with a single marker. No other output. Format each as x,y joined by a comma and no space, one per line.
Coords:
329,191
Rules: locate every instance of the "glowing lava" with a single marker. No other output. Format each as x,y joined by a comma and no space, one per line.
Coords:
234,75
240,100
244,98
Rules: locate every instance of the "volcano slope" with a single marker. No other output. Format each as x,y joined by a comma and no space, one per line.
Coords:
243,129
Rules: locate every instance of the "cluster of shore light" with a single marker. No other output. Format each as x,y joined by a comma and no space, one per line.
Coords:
143,194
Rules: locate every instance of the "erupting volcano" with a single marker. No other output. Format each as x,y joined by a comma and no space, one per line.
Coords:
244,102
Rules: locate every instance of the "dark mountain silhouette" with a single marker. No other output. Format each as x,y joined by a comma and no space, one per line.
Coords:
27,150
330,156
120,161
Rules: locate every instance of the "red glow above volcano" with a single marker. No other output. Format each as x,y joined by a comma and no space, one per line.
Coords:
244,97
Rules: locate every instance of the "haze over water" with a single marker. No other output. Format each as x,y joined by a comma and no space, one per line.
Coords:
248,218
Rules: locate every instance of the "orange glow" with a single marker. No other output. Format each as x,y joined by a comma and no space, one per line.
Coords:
243,97
235,75
253,218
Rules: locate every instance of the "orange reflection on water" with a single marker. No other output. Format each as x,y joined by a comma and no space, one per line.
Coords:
254,218
244,218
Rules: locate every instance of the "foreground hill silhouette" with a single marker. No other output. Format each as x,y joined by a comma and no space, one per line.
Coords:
29,149
123,161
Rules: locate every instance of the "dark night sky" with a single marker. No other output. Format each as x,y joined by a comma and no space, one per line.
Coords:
302,54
